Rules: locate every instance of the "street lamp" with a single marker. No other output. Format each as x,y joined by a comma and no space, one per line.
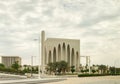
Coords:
38,56
32,63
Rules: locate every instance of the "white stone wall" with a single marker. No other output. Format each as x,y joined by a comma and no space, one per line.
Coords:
53,43
58,49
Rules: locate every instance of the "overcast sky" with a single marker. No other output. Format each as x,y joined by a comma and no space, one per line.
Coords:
95,22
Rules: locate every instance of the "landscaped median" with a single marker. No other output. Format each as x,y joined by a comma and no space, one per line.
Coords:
92,75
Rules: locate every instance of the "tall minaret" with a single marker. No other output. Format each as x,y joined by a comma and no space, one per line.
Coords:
42,50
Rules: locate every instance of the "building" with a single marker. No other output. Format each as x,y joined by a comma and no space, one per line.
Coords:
58,49
9,60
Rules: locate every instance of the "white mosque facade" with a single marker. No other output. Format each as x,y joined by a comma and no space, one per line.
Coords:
58,49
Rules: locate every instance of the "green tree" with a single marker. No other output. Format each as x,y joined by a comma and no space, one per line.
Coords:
2,65
93,71
28,69
112,70
72,69
25,66
103,69
57,67
15,66
62,65
82,71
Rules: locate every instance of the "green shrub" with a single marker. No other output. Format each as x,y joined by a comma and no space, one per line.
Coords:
91,75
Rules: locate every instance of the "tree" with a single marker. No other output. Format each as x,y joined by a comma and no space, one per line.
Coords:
82,71
72,69
28,69
2,65
15,66
86,70
103,69
62,65
25,66
36,69
93,71
57,67
112,70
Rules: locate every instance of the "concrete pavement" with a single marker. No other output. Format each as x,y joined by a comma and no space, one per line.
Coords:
35,81
13,79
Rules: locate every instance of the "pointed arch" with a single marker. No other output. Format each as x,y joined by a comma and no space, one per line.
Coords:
45,57
54,54
59,52
68,54
64,51
49,57
77,58
72,57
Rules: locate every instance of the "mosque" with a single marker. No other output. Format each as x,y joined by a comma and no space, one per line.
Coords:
58,49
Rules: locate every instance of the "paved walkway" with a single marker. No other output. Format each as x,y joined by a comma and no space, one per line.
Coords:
90,80
32,81
13,79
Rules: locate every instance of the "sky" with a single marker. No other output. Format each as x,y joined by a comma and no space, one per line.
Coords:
95,22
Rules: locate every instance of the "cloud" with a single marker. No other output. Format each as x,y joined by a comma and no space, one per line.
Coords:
95,23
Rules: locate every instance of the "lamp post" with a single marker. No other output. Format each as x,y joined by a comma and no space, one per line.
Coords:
38,56
32,64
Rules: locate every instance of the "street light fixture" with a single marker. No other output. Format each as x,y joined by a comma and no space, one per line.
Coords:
32,64
38,56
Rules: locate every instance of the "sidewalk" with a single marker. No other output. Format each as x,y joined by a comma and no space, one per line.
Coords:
4,74
42,80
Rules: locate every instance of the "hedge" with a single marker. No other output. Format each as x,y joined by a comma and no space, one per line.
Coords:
92,75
